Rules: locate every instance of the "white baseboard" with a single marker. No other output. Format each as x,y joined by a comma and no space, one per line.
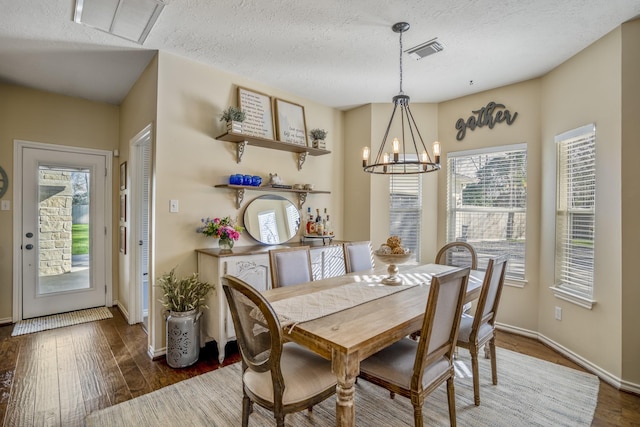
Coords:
154,354
6,321
604,375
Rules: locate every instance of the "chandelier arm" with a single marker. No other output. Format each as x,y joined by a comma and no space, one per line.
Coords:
424,147
386,134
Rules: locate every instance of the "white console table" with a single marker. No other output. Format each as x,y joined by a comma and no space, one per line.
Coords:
251,264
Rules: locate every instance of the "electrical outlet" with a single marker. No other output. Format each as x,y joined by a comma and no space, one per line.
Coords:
173,206
558,313
5,205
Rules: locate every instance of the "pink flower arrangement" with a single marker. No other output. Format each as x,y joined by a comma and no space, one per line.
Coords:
222,228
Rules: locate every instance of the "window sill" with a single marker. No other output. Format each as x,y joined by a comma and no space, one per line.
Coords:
515,283
572,298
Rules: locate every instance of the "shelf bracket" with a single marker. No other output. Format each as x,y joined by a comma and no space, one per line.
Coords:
302,197
239,197
240,146
301,158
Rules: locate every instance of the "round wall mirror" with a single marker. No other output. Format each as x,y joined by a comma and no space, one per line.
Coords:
271,219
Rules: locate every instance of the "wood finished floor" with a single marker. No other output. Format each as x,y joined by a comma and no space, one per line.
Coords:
56,377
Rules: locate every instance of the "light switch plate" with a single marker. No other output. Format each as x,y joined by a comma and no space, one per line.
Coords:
173,206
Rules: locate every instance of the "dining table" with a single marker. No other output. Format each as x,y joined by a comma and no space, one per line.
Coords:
347,318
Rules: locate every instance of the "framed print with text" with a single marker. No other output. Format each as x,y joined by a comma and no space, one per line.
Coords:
290,122
258,115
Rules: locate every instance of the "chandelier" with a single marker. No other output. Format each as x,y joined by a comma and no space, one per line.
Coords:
404,155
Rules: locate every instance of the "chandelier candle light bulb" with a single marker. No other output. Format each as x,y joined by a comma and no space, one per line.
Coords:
396,149
365,156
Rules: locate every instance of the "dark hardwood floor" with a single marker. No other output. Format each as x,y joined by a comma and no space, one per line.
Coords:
57,377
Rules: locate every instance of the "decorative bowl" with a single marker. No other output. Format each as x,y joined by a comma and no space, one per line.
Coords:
391,260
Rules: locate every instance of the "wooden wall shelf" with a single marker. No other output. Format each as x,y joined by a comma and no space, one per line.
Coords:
240,190
242,140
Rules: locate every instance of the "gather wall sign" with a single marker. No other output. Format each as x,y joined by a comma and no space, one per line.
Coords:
489,115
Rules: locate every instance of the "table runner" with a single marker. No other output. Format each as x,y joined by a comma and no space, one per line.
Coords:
303,308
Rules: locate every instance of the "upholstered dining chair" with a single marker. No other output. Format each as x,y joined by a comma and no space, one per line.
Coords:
290,266
458,254
479,329
283,378
416,368
358,256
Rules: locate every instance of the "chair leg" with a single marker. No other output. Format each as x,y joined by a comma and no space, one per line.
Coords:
494,363
280,420
392,395
451,397
476,379
246,410
417,415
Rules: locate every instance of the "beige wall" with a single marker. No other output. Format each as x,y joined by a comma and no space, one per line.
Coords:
586,89
518,307
32,115
190,161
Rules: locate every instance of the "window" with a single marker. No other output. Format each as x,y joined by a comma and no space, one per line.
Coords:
575,211
486,203
405,209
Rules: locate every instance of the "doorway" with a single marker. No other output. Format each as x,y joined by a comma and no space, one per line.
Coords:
141,185
61,224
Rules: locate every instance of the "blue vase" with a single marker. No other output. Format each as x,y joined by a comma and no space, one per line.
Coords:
256,181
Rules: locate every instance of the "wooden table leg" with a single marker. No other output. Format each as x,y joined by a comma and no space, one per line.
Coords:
346,367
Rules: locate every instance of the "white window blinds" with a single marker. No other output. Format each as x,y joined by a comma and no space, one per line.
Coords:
405,209
575,210
486,203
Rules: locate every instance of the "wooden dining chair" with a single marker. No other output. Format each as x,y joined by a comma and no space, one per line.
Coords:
358,256
458,254
479,329
281,378
290,266
416,368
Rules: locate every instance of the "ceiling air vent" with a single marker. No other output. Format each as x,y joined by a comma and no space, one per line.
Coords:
425,49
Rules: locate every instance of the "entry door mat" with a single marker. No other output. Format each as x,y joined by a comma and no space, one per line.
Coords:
38,324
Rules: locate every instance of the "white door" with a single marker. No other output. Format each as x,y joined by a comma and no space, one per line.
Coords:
63,231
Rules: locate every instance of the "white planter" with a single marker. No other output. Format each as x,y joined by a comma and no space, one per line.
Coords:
183,338
235,127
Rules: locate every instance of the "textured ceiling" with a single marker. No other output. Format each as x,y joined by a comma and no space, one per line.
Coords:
340,53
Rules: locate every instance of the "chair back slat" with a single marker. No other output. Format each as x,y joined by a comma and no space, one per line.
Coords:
442,319
358,256
257,327
458,254
290,266
490,293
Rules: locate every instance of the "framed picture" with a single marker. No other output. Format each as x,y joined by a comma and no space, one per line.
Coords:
290,122
257,108
123,240
123,175
123,207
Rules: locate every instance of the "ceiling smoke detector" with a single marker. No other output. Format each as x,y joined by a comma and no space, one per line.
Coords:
129,19
425,49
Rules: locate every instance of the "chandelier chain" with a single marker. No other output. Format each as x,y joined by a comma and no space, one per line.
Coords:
401,62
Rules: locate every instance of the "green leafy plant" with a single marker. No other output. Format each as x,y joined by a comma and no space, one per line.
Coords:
183,294
233,114
318,134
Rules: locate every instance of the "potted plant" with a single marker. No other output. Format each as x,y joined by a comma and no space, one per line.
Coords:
183,298
234,117
318,136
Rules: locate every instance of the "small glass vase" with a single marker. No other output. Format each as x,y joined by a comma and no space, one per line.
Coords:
225,244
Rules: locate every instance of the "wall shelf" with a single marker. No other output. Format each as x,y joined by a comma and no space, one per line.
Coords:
240,190
242,140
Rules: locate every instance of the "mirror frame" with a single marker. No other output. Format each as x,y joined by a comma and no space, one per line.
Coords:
252,222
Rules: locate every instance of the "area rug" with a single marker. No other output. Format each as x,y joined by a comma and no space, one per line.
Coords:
38,324
530,392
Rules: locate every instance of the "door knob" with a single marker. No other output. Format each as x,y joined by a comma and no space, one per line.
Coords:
29,246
